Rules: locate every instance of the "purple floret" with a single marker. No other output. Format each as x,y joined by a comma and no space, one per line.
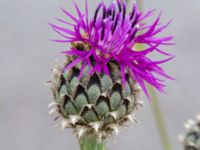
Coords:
111,35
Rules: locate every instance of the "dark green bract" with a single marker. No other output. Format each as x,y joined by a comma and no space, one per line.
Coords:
95,103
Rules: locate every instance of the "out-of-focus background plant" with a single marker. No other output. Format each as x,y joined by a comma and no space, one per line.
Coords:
26,57
191,139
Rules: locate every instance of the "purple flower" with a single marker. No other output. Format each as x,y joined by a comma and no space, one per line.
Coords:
111,35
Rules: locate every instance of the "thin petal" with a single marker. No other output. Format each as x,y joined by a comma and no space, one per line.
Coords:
68,14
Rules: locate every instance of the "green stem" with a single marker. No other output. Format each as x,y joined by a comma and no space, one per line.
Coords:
90,142
159,119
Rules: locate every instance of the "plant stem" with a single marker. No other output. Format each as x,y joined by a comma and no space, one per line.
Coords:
91,142
159,119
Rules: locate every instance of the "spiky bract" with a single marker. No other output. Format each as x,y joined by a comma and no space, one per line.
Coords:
94,104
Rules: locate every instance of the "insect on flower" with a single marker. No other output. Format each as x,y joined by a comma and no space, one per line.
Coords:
111,35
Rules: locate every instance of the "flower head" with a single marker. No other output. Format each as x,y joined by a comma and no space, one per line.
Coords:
112,35
191,140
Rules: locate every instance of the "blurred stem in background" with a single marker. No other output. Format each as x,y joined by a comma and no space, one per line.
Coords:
159,119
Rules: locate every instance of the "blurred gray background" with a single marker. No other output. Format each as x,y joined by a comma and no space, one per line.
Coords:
27,56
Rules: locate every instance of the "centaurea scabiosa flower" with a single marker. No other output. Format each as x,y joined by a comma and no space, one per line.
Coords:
112,35
97,90
191,140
